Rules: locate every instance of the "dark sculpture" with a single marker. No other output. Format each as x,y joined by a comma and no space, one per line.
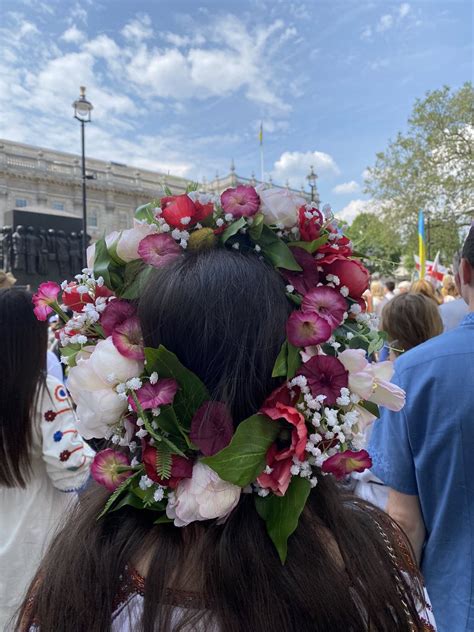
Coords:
32,250
75,252
43,252
62,252
6,248
52,254
19,248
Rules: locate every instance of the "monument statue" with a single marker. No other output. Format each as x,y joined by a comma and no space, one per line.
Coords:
19,248
6,248
75,252
43,251
62,250
52,254
32,250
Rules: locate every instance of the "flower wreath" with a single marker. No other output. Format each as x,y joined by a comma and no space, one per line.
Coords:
174,451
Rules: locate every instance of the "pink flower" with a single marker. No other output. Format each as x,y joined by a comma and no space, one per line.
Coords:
328,303
306,280
180,468
204,496
343,463
326,376
371,382
279,206
105,468
243,201
155,395
46,296
159,250
127,337
211,428
305,328
116,313
280,459
351,273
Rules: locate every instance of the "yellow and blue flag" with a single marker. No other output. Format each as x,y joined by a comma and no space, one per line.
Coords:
421,243
260,134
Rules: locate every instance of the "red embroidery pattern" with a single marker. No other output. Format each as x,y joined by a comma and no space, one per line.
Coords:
64,456
50,415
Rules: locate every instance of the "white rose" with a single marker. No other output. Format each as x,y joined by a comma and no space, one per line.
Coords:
204,496
98,405
280,206
110,239
126,242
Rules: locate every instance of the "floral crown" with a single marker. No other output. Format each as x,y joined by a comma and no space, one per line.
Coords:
175,451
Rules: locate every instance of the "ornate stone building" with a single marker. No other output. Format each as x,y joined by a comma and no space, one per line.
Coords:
47,181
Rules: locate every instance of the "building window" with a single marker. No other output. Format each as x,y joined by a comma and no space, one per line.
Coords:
92,220
58,206
21,202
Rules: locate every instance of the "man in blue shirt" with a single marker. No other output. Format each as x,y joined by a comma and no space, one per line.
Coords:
425,454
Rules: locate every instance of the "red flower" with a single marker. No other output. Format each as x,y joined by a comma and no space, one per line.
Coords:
212,428
180,468
64,456
116,313
340,246
326,376
351,273
310,223
328,303
280,459
243,201
343,463
179,211
74,299
155,395
306,328
306,280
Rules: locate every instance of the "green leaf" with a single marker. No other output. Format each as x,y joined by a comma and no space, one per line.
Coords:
293,361
233,229
294,298
244,458
192,393
280,369
70,352
106,267
130,500
167,191
145,212
163,461
163,520
310,246
255,230
118,492
276,250
136,277
281,513
371,407
192,186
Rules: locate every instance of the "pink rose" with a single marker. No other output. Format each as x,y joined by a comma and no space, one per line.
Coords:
280,206
46,296
243,201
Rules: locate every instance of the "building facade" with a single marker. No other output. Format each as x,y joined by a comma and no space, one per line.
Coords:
47,181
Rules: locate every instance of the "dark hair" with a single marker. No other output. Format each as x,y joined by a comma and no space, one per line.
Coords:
22,368
224,313
390,285
468,247
411,319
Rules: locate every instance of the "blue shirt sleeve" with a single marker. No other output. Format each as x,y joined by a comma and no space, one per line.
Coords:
390,449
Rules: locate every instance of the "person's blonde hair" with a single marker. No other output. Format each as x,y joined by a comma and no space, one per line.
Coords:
411,319
376,289
422,286
449,286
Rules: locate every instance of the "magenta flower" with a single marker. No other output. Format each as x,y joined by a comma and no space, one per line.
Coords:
308,278
128,340
105,468
326,376
115,314
46,296
243,201
159,250
212,428
155,395
304,329
343,463
327,303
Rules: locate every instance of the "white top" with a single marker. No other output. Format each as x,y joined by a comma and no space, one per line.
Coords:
60,462
452,313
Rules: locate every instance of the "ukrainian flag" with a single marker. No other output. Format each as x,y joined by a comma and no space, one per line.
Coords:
421,243
260,134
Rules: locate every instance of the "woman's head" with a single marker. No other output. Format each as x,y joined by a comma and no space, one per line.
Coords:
376,289
422,286
410,319
449,286
22,364
223,314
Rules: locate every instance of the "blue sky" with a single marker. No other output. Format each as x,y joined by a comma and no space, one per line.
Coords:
182,86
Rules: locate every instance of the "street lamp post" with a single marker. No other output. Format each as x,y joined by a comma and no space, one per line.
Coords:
82,112
312,177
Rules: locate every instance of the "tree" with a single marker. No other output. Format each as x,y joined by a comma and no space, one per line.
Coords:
374,238
430,167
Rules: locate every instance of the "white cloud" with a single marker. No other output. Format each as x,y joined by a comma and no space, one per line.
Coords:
354,208
385,23
404,10
346,187
294,166
73,35
366,33
138,29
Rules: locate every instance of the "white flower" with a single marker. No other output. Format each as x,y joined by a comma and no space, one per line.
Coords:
126,242
344,290
145,483
159,494
219,222
142,433
98,404
185,221
280,206
228,217
204,496
154,377
134,384
290,289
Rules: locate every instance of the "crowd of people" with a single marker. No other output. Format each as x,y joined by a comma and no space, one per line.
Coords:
366,546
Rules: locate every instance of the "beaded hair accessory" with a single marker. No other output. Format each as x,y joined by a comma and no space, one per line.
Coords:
173,450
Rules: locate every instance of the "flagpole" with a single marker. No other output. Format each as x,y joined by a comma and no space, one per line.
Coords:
260,136
421,243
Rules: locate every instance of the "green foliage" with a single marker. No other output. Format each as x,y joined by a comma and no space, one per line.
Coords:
377,241
310,246
281,513
244,458
429,167
276,251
